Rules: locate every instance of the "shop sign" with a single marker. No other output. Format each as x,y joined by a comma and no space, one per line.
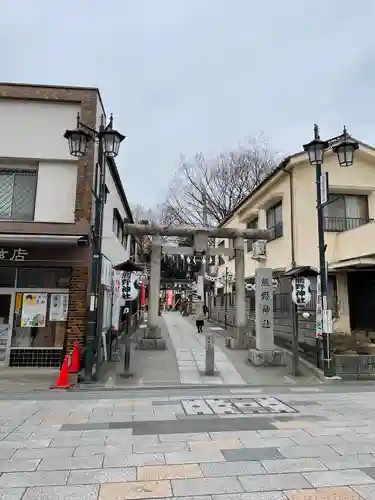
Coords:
14,254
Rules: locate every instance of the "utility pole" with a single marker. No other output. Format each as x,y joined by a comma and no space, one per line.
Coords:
203,265
109,141
226,299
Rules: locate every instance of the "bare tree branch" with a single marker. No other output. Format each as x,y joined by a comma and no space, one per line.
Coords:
142,214
223,182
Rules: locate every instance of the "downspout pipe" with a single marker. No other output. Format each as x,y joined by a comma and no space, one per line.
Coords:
295,335
291,197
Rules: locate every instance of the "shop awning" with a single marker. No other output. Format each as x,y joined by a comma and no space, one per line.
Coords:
351,263
46,239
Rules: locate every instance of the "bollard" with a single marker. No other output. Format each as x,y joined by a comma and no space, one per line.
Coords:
210,355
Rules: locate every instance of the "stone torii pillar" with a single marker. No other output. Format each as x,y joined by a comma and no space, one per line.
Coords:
241,323
154,339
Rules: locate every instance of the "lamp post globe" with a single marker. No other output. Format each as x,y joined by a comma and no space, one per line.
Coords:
315,149
78,141
345,150
111,140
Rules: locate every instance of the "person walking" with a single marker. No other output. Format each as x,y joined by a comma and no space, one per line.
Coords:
200,316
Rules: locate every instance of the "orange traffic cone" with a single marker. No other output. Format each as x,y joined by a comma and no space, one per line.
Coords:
62,381
74,365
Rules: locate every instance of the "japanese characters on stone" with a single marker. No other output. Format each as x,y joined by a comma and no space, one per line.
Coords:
264,300
125,285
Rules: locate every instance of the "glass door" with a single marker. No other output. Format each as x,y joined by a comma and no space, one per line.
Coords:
6,320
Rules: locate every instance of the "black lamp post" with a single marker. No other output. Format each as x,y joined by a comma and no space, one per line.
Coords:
108,141
315,149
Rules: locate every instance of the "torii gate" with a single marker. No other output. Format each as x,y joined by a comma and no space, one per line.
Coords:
154,339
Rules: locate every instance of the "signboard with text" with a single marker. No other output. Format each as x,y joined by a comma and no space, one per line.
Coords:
13,254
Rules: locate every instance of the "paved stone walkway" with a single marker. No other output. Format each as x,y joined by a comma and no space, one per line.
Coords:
190,353
313,444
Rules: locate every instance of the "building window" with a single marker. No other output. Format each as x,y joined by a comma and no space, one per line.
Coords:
118,227
106,193
35,325
7,277
58,277
253,224
124,241
275,221
347,211
132,248
17,194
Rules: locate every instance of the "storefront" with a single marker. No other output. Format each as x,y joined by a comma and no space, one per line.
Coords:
36,307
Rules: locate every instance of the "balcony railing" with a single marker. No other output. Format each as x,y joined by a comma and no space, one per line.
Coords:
339,224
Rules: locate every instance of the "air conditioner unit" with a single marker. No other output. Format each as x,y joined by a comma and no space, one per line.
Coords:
259,249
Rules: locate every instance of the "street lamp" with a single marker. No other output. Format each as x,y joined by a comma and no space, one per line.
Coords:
345,153
345,150
108,141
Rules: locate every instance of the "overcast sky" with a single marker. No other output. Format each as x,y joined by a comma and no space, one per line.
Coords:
187,76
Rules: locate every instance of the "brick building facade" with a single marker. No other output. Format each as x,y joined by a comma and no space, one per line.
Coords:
34,119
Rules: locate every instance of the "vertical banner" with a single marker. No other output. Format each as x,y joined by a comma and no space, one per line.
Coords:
116,299
170,298
200,287
319,312
143,294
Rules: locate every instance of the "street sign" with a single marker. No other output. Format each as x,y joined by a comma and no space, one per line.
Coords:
324,187
301,294
327,320
319,321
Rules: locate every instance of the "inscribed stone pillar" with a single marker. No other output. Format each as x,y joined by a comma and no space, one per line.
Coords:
265,352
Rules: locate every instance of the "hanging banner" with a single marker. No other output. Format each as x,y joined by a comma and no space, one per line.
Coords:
170,297
143,293
34,309
58,309
116,299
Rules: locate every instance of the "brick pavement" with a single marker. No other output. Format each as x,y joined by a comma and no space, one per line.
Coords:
242,444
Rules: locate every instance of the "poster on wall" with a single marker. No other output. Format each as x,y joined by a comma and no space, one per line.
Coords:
34,309
58,310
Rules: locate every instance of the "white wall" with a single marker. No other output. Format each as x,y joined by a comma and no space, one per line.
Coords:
56,192
111,246
35,129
